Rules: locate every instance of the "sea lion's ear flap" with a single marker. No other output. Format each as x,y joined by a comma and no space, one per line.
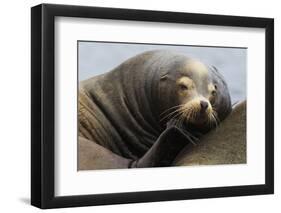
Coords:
164,77
214,68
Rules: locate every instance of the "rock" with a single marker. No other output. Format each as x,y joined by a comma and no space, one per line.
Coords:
224,145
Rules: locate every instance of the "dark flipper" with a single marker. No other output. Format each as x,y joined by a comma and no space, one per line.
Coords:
164,150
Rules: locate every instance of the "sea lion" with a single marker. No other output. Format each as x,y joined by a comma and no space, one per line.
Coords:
148,108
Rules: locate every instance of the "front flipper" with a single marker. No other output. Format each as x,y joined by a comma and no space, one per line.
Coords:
165,149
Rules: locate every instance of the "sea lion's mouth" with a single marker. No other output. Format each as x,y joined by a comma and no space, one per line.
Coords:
198,118
192,114
185,116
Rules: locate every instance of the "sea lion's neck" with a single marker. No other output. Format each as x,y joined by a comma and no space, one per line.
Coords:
138,82
127,116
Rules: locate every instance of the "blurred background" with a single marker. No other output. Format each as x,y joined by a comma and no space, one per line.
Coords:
99,57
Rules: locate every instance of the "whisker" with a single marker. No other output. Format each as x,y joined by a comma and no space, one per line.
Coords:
179,120
177,115
190,137
170,114
172,108
185,115
215,121
216,116
209,122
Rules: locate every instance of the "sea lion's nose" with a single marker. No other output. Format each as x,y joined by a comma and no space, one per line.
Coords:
204,105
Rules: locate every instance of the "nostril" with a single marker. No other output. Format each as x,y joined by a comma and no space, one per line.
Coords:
204,105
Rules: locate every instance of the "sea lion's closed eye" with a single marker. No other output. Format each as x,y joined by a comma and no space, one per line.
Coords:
164,77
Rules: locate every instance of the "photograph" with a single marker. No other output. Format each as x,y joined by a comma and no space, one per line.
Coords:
144,105
139,105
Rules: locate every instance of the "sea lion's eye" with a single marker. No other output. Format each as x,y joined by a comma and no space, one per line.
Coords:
164,77
183,87
214,91
216,87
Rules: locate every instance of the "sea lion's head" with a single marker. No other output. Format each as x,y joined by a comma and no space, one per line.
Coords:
195,94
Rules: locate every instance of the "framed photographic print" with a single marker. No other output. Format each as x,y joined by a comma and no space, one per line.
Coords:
139,106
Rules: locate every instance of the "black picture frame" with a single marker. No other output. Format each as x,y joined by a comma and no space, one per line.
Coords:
43,102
